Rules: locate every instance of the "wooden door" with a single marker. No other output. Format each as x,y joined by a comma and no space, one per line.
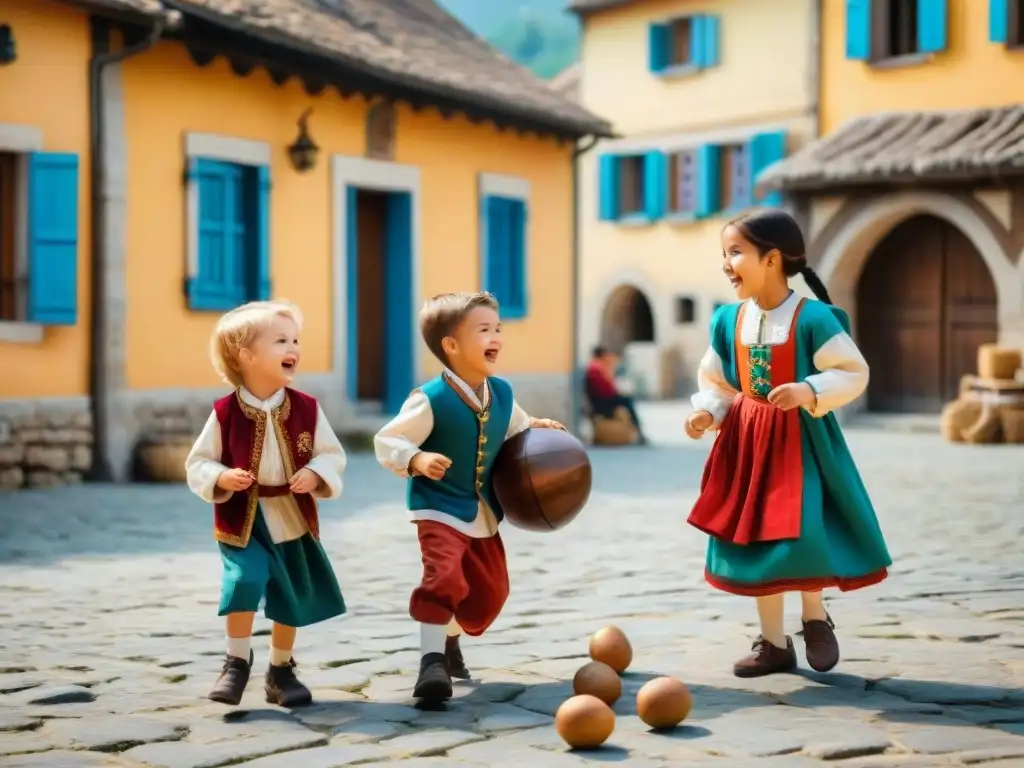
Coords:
925,302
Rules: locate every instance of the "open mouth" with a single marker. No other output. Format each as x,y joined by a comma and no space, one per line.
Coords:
491,355
736,282
288,365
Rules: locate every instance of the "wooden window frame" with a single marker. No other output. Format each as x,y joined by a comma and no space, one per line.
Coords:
631,184
676,206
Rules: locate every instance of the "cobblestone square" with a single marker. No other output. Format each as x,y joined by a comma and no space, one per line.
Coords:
110,639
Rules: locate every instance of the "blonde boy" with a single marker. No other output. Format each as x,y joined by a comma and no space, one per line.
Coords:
266,454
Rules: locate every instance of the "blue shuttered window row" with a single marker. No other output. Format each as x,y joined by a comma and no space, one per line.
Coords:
686,183
504,227
233,235
927,30
688,42
52,238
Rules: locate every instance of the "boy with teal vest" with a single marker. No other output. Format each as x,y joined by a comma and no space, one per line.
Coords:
445,440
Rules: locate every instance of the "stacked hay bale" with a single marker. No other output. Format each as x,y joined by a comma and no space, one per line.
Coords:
990,406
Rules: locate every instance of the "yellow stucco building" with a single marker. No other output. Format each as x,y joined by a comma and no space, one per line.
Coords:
914,196
703,96
438,166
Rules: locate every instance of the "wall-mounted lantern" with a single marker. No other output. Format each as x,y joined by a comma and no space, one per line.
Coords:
304,151
8,51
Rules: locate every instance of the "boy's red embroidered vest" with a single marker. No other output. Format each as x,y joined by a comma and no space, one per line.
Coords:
243,429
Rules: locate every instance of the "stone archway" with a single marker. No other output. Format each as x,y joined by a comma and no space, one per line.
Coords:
626,317
865,229
925,302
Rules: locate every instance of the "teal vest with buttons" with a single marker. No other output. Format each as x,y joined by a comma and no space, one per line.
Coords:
471,440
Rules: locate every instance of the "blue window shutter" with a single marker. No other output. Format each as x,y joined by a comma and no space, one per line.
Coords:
399,336
766,149
659,46
709,187
931,25
655,185
262,276
515,305
52,238
608,184
712,41
352,292
698,41
497,241
999,21
219,283
858,29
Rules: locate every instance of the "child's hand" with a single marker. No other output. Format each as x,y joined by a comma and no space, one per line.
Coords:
304,481
697,423
790,396
234,480
432,465
546,424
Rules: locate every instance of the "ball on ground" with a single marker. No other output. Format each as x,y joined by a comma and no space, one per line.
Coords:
599,680
663,702
542,479
584,722
611,646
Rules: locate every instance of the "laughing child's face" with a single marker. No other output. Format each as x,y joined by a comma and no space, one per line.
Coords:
473,348
746,268
273,359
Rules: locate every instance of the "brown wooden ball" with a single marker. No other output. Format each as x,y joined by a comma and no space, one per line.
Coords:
542,479
611,646
598,679
663,702
584,722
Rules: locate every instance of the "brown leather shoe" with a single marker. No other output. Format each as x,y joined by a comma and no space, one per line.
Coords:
820,644
453,658
766,659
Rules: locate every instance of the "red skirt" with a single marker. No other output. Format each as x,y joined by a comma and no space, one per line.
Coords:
752,489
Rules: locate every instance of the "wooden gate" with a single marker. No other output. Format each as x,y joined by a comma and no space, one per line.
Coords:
925,301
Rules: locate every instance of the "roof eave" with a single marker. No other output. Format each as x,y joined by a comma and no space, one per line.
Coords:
820,183
115,10
453,97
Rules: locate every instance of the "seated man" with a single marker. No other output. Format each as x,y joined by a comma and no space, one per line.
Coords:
602,392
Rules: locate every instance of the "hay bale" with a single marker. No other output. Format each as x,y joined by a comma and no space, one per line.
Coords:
987,429
996,362
958,416
617,430
1012,424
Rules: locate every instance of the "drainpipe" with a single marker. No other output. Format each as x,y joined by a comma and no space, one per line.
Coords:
99,389
581,149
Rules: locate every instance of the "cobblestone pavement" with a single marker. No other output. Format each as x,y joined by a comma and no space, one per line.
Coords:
109,639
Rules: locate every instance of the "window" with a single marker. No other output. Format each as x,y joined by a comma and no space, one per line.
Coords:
632,187
1006,22
688,42
734,184
504,240
879,30
232,234
683,182
686,310
39,238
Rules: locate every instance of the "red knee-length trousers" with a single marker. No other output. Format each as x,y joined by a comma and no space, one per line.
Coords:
463,577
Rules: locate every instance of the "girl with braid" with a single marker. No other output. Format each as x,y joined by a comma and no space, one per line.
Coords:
781,497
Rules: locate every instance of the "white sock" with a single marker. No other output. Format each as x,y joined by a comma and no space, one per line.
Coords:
278,657
453,629
432,638
239,647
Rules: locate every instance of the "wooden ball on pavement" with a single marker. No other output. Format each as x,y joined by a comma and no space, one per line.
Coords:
584,722
663,702
598,679
611,646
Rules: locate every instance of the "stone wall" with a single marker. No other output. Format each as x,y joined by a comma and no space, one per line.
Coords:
44,445
546,396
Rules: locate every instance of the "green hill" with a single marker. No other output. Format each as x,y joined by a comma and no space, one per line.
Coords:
538,34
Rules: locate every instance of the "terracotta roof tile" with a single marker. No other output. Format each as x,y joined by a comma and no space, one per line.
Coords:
904,146
414,42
